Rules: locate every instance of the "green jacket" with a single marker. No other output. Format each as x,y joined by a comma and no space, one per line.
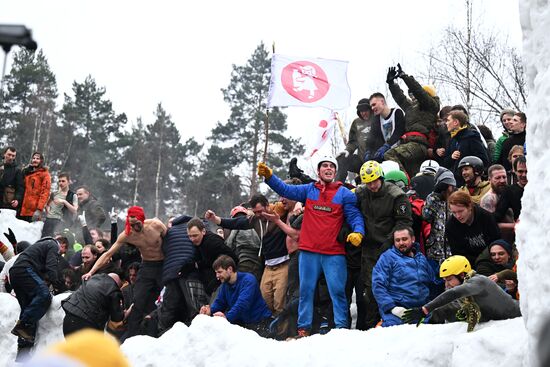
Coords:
383,211
498,146
360,136
420,116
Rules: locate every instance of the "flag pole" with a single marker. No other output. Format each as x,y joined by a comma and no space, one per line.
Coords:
341,128
266,132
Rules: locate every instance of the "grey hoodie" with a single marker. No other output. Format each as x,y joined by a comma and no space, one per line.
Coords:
494,303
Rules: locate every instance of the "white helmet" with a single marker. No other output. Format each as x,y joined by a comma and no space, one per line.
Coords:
327,158
388,166
429,166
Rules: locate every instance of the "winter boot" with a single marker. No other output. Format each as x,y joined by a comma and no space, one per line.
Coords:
24,331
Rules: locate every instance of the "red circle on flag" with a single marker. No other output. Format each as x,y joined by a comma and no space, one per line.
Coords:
323,124
305,81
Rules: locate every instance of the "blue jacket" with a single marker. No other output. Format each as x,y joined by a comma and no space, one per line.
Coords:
326,207
242,302
399,280
178,249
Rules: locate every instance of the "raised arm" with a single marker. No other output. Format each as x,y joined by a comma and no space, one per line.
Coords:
104,259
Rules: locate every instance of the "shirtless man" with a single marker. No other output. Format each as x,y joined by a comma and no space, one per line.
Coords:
146,235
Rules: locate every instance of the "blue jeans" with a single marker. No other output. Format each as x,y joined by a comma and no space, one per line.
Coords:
334,267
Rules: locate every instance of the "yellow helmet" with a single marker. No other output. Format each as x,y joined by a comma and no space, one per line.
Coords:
371,171
430,89
454,265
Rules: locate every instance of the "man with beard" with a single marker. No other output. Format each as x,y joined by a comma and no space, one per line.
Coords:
401,278
497,180
146,235
239,299
11,181
37,189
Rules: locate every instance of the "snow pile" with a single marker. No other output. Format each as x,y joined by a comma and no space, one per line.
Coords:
50,328
23,231
533,230
214,342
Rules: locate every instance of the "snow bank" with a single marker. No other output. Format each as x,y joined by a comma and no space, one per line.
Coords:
50,328
214,342
23,231
533,244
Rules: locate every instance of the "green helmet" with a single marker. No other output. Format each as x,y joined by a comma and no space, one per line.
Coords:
397,176
370,171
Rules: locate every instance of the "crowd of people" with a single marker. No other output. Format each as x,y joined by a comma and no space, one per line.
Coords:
415,218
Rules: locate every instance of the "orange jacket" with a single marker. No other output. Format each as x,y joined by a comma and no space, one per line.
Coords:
37,191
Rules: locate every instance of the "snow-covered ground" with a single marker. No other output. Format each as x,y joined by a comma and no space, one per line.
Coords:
213,341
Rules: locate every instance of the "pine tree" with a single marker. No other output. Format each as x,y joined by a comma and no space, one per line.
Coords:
244,130
90,153
28,105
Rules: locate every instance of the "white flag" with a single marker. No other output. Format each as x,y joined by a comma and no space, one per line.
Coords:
324,129
308,82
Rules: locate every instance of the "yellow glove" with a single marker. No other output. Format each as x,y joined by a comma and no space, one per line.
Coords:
355,238
264,170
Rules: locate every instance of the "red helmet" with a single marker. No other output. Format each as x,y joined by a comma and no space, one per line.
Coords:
238,209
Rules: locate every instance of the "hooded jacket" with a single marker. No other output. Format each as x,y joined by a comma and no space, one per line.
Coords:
493,302
326,208
37,191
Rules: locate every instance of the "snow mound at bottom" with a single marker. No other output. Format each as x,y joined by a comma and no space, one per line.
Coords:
213,341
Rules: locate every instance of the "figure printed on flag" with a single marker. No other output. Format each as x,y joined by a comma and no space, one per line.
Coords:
303,79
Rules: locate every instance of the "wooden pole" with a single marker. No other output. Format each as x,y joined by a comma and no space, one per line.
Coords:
266,130
341,128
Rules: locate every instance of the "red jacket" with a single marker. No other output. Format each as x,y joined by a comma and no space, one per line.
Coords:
37,191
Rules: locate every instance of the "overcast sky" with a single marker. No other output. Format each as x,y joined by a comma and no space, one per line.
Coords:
181,53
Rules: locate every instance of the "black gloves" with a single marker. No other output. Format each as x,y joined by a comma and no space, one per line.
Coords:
392,75
11,237
400,71
414,315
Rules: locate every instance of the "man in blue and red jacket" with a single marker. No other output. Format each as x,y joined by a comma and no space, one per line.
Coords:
327,205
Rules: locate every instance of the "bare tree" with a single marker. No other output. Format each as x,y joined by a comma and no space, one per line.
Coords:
479,68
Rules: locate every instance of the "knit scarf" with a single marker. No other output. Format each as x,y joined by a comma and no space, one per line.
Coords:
454,132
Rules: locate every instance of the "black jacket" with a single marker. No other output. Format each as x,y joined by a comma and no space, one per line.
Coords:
11,176
471,240
43,258
468,143
178,249
97,300
211,247
513,139
95,215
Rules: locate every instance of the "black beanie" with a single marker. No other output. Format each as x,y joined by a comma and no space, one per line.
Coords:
504,244
362,106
